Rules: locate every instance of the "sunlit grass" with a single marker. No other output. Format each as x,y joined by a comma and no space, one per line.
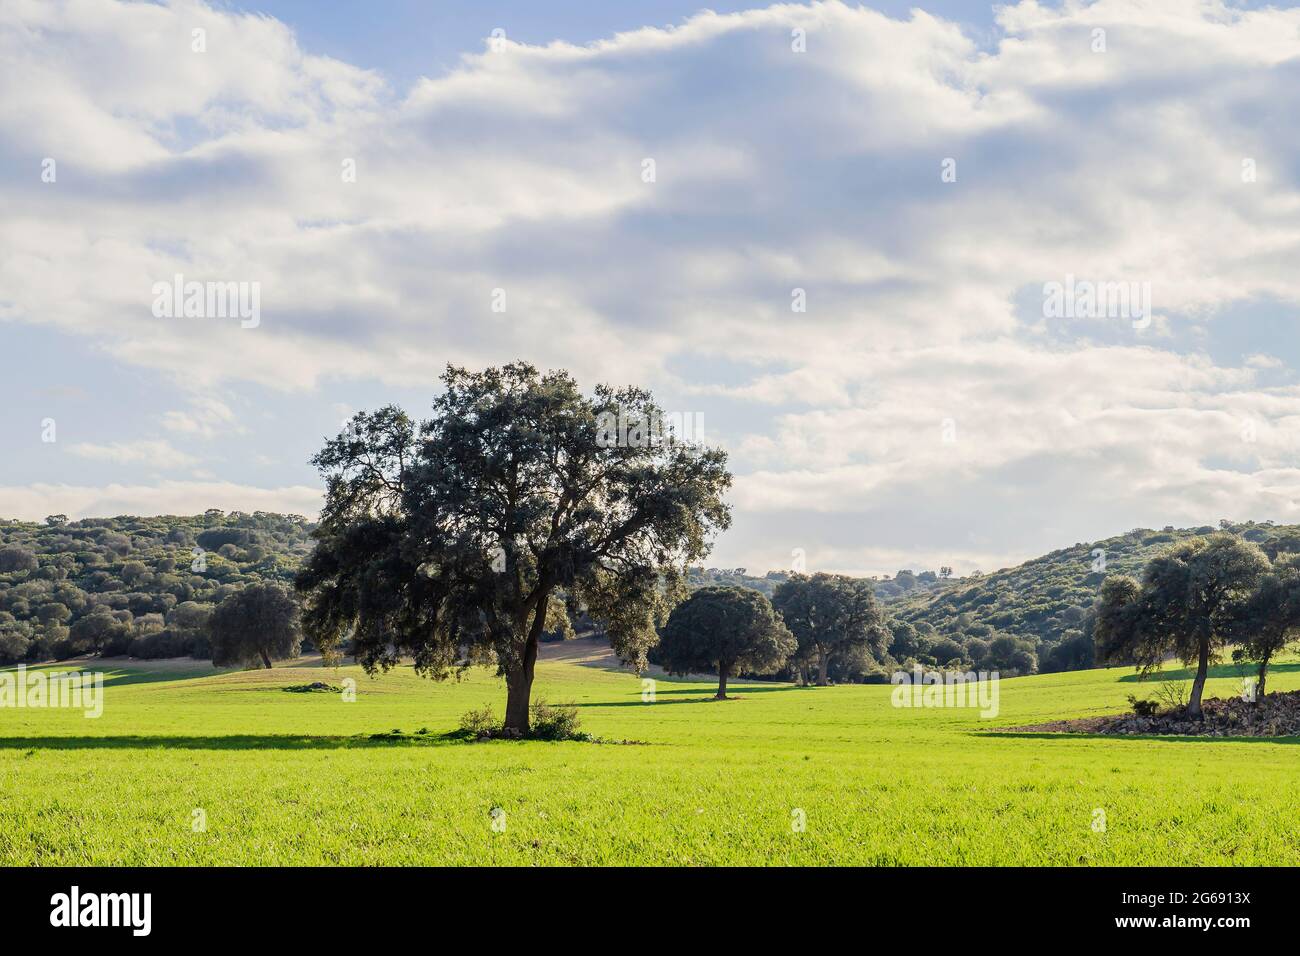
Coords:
295,778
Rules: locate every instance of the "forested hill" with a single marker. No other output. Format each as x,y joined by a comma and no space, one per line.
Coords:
142,586
1047,601
1040,608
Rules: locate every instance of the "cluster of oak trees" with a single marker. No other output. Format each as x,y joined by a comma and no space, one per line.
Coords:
809,622
465,538
1200,597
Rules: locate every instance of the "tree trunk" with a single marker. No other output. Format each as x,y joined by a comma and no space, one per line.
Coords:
1198,685
519,685
821,669
1263,676
722,683
266,659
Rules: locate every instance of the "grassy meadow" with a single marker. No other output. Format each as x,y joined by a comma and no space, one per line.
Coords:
294,778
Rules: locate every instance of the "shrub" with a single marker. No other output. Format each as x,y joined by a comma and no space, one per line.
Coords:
554,722
479,722
118,643
14,559
213,539
53,613
13,646
315,687
46,642
1143,708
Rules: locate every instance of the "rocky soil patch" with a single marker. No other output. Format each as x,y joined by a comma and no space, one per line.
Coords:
1276,715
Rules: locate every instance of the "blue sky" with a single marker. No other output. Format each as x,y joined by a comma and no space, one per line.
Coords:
923,409
408,39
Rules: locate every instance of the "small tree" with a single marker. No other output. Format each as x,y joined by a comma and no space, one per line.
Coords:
1009,654
1189,604
53,613
730,629
905,642
1271,617
830,616
14,559
256,622
101,632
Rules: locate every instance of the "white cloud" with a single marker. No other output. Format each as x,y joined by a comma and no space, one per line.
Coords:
205,418
151,452
522,170
1260,360
33,502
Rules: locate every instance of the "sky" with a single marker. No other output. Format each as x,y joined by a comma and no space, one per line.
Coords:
859,243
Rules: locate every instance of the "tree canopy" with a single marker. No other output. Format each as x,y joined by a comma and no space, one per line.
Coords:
103,585
831,616
447,540
259,622
1270,618
1189,604
727,629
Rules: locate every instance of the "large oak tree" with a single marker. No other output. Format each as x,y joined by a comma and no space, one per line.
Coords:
453,540
1189,604
831,615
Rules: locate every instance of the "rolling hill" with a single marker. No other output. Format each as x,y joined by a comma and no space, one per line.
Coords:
143,587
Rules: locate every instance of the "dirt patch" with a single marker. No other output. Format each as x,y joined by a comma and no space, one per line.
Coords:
596,652
1276,715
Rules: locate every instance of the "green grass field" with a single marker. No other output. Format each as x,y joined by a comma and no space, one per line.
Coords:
293,778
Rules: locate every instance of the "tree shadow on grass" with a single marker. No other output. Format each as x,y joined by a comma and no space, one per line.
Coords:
732,689
1172,738
231,742
113,677
1219,670
648,703
691,696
